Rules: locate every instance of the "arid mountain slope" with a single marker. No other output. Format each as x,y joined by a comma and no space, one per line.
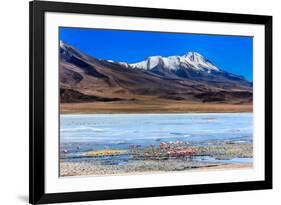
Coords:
190,78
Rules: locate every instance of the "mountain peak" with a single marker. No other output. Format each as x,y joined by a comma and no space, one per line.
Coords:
191,60
194,56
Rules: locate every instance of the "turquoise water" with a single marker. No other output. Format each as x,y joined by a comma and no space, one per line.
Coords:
86,132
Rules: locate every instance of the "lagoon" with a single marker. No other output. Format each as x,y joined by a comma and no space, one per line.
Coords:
146,128
86,132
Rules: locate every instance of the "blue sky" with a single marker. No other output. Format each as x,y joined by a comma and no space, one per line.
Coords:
230,53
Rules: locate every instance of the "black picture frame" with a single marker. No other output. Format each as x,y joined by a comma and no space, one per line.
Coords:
37,193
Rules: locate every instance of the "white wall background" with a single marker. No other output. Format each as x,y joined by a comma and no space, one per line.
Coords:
14,100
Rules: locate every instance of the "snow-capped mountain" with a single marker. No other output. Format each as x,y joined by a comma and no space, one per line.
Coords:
191,60
192,66
187,78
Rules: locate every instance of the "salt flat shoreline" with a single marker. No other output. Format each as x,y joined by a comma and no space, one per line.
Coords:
68,169
167,157
155,159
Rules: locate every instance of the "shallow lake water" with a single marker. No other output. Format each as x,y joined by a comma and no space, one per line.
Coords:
86,132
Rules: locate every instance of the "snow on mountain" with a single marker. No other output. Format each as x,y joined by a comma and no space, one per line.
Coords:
85,78
191,60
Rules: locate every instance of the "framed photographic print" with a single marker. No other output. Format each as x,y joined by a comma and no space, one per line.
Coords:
140,102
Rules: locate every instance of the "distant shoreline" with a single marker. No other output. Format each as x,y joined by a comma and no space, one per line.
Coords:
178,107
